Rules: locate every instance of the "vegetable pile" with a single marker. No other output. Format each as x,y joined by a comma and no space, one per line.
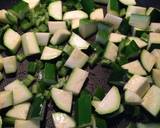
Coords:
53,37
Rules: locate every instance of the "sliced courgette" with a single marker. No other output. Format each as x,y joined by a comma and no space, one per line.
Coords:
155,76
32,3
97,14
27,124
116,37
42,38
156,53
154,27
3,17
140,43
128,2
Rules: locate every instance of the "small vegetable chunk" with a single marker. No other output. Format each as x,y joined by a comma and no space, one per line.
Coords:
76,80
138,85
128,2
77,59
134,67
110,103
3,17
50,53
156,53
32,3
30,44
42,38
156,76
55,10
116,37
151,100
62,98
19,111
97,14
27,124
20,92
62,120
10,64
6,99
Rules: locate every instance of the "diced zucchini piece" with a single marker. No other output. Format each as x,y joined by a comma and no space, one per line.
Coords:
12,43
56,25
128,2
76,80
151,100
156,76
140,43
10,64
102,37
19,111
155,27
30,44
55,10
113,7
27,124
77,59
87,28
77,42
75,23
75,14
6,99
97,14
135,10
139,21
115,21
62,98
1,122
95,103
147,125
111,52
42,38
3,17
62,120
154,38
116,37
134,67
83,116
154,14
60,36
20,92
101,1
156,53
132,98
138,85
32,3
50,53
110,103
148,60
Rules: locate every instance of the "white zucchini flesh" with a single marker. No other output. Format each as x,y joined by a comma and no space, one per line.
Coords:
155,27
132,98
135,10
1,62
6,99
138,85
32,3
156,53
12,40
140,43
95,103
27,124
19,111
3,17
77,59
56,25
60,36
111,52
97,14
148,60
115,21
154,38
50,53
55,10
30,44
75,14
20,92
110,103
116,37
135,67
9,64
76,80
128,2
77,42
62,98
75,23
42,38
62,120
156,76
151,100
1,122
